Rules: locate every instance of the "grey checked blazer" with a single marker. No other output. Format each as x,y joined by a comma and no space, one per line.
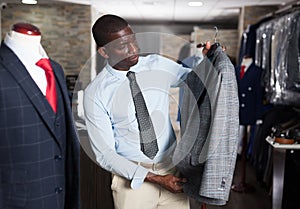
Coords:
206,152
39,150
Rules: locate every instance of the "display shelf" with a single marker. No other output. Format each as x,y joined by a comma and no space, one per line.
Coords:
274,144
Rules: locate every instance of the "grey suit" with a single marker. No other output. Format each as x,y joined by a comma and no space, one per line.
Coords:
39,150
206,152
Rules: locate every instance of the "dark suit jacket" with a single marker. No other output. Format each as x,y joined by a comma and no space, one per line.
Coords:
250,95
39,169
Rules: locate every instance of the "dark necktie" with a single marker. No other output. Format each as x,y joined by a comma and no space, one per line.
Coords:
147,135
44,63
242,71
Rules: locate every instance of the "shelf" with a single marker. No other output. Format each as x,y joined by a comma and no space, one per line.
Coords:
270,140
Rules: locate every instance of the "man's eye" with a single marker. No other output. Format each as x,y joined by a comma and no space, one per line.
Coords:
121,46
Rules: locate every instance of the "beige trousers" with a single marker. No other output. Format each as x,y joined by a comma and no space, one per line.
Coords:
148,196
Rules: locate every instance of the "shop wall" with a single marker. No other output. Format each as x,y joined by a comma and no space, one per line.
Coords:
250,15
228,38
65,30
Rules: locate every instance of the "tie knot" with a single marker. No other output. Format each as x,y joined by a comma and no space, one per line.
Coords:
243,67
45,64
131,75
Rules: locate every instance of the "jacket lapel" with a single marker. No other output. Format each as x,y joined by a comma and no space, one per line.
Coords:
60,81
23,78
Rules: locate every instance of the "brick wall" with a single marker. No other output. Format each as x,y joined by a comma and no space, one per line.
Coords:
65,30
250,15
226,37
253,14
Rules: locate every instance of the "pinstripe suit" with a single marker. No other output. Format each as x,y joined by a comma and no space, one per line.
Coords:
39,151
206,153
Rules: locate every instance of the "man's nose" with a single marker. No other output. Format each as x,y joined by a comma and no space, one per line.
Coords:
133,48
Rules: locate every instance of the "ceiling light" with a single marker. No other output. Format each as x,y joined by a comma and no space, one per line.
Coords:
29,1
195,3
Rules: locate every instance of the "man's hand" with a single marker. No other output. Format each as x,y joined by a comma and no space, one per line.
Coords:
206,48
169,182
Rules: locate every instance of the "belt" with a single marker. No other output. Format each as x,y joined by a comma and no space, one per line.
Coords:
155,166
152,166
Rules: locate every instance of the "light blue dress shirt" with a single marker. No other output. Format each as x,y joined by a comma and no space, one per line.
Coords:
110,115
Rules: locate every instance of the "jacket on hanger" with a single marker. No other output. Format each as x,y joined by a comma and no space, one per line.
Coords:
206,152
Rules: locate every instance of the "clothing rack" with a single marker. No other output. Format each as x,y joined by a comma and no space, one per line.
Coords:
290,7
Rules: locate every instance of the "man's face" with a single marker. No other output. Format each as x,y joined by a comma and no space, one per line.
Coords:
122,51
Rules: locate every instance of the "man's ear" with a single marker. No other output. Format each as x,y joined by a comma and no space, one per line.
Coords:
102,52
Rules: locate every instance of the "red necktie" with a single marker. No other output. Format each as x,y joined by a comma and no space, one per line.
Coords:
242,71
44,63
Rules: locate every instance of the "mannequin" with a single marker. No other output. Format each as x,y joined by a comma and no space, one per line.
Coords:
247,61
40,144
251,107
25,35
25,41
26,28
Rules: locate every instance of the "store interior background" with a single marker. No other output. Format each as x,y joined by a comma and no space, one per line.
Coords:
66,36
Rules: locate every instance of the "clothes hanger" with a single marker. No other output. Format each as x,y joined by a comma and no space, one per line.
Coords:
215,45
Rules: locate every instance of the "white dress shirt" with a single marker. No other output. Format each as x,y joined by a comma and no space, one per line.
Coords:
29,50
111,121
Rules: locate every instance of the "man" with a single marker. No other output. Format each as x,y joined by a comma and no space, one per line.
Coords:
114,126
39,149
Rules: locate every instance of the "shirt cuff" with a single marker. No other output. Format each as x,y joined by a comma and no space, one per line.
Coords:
138,177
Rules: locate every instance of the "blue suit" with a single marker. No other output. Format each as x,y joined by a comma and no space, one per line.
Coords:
250,94
39,150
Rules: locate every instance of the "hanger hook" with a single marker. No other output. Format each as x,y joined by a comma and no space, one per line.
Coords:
216,33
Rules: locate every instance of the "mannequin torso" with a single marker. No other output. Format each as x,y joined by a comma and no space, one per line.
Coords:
25,41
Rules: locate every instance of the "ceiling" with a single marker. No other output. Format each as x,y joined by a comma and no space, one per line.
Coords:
176,10
172,11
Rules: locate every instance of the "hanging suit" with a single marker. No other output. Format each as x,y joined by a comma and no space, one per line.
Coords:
39,150
206,152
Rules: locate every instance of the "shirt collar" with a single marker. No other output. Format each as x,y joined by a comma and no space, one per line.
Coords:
119,73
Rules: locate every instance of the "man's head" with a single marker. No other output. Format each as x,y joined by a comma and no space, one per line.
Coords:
106,25
116,41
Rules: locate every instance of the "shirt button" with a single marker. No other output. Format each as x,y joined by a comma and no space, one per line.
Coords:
242,105
243,95
58,190
57,157
249,88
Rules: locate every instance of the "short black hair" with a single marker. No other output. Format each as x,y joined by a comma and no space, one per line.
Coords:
106,25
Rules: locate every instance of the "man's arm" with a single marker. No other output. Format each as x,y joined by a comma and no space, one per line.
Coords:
102,141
